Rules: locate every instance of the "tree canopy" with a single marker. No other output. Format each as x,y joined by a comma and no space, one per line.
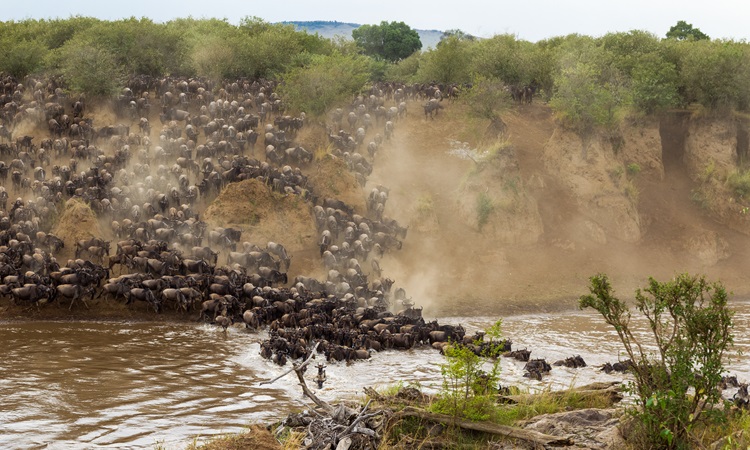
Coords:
591,82
392,41
683,31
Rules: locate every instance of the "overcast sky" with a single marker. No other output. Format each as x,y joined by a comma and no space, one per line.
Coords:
528,20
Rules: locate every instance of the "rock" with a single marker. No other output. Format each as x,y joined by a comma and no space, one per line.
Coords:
709,247
589,428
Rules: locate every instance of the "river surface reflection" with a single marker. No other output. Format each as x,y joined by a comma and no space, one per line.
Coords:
71,385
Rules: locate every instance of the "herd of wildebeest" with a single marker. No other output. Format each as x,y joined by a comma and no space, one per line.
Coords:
152,187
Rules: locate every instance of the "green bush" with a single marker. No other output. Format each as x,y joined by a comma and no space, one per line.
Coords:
448,63
691,328
91,69
588,91
326,81
404,70
468,390
633,169
739,182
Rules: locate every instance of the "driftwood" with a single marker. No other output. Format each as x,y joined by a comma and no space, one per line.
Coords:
534,437
298,369
336,426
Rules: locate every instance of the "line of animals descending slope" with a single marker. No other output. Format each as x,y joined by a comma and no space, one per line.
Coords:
153,186
154,192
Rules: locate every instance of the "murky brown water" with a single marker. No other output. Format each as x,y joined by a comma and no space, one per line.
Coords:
69,385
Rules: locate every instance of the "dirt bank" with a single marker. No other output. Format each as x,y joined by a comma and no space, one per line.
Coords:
601,210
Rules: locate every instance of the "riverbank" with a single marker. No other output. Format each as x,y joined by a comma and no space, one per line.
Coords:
402,417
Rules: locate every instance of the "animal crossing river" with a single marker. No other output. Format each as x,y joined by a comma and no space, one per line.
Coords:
139,384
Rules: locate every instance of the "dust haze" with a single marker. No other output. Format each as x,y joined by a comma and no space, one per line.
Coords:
451,268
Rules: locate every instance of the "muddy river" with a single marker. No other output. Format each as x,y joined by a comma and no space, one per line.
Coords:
68,385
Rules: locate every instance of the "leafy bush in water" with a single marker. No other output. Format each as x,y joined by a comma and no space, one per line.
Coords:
691,328
468,390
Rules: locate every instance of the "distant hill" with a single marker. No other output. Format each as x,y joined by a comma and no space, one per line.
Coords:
329,29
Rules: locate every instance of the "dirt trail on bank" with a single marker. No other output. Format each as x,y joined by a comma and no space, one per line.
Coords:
451,267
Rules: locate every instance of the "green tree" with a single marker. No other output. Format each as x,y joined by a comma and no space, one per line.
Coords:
588,91
457,34
715,73
654,85
392,41
683,31
326,81
448,63
90,68
505,58
627,49
21,57
487,99
691,329
468,390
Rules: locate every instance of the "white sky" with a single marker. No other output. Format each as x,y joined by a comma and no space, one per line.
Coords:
529,20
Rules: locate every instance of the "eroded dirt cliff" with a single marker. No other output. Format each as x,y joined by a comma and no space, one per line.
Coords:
562,210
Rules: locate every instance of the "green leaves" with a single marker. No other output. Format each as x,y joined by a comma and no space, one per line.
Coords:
691,327
449,62
21,58
682,31
392,41
324,82
468,390
589,91
91,69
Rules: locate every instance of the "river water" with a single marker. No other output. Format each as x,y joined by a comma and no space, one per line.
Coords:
71,385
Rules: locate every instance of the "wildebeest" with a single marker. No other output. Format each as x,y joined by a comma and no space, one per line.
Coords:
272,276
143,295
176,297
280,251
431,108
32,293
75,292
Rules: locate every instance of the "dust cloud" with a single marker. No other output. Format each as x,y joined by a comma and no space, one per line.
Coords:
451,268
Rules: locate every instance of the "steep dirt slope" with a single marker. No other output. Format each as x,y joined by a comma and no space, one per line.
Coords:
451,267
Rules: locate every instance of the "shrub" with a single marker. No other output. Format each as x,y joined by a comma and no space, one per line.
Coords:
468,390
739,181
326,81
632,192
633,169
691,328
91,69
588,91
425,206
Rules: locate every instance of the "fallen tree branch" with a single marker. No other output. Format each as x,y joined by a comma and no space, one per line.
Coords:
300,375
305,390
357,420
294,366
373,394
534,437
